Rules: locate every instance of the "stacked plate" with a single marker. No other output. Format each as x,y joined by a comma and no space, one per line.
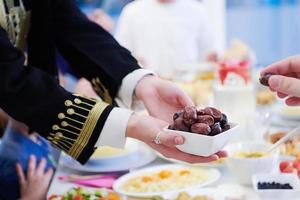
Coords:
107,159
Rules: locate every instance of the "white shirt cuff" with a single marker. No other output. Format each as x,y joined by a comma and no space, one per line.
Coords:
113,133
129,83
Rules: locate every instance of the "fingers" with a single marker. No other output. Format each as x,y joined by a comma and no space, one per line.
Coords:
285,85
184,99
293,101
41,167
222,154
286,66
179,155
21,176
281,95
170,139
31,166
48,175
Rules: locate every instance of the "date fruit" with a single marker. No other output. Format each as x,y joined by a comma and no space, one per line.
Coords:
206,119
264,80
200,128
189,115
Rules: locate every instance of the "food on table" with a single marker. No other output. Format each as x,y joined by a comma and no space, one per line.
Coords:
264,80
166,180
250,154
106,152
290,147
186,196
290,167
265,97
273,185
84,194
208,121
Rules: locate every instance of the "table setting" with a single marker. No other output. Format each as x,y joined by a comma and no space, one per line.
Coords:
258,132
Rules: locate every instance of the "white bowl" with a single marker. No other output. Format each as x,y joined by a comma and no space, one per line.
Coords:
244,168
278,194
203,145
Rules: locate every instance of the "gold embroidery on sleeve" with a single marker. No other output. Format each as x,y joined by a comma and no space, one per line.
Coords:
101,90
76,124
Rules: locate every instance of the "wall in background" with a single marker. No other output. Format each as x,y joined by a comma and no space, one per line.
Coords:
270,27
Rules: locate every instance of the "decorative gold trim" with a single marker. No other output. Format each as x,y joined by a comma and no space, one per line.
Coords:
87,129
76,125
101,90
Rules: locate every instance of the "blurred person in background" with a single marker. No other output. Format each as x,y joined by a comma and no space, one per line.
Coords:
74,123
18,148
167,35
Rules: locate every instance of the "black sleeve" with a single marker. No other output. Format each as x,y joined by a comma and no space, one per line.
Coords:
70,122
92,52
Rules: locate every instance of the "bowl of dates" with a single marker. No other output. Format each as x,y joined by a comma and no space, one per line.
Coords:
206,131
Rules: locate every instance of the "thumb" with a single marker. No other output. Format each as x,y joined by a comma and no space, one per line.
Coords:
285,85
170,139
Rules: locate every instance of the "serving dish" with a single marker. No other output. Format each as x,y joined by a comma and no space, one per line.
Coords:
164,179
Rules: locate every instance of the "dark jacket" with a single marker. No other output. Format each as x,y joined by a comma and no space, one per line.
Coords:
31,93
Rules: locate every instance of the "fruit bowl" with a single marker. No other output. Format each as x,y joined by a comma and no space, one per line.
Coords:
204,145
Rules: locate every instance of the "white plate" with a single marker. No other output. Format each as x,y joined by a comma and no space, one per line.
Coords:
287,112
213,193
211,164
213,175
142,156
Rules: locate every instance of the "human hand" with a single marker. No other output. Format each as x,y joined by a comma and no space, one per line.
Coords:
286,82
146,128
161,98
37,181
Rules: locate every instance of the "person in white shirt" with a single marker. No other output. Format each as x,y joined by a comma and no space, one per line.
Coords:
167,35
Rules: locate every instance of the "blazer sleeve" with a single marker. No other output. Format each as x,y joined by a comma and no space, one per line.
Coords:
91,51
70,122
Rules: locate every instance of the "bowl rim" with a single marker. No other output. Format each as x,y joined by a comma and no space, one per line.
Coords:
270,155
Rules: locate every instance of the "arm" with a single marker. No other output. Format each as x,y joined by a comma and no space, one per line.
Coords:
72,123
90,50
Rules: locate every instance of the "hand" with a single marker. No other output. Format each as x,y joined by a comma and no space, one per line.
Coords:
37,181
286,82
146,128
161,98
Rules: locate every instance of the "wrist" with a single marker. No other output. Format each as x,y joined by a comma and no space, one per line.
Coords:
142,85
131,129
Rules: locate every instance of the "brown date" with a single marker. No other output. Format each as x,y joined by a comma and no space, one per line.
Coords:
216,114
215,129
226,127
224,120
177,114
206,119
200,128
189,115
180,125
205,111
264,80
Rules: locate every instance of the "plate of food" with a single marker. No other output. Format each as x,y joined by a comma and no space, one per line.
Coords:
196,194
135,155
80,193
290,148
164,179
